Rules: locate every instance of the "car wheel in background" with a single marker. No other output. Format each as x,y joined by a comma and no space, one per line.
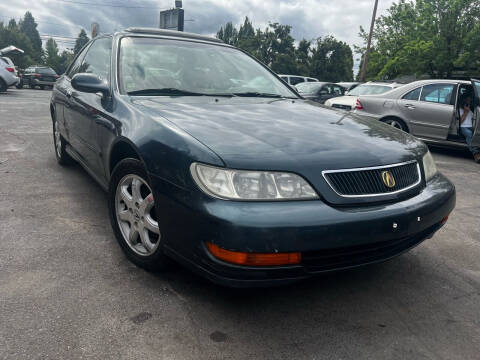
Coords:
133,215
42,87
396,123
31,86
3,86
19,85
59,143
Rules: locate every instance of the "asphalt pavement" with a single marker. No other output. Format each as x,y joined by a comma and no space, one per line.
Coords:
68,292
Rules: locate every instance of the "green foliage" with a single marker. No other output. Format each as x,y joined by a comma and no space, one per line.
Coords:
82,39
52,59
11,35
328,60
433,37
28,26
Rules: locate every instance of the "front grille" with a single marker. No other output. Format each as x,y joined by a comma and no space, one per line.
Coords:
369,181
343,107
338,258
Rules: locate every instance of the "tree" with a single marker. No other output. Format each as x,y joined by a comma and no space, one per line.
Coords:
52,59
82,39
65,60
330,59
11,35
28,26
431,37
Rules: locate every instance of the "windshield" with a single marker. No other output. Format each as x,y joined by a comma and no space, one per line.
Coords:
45,71
369,89
190,68
308,88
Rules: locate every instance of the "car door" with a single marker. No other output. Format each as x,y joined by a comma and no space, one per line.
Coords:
476,134
84,109
432,114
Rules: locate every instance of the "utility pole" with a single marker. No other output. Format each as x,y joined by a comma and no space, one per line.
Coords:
365,57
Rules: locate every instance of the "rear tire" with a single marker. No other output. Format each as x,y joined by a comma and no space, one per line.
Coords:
3,86
396,123
133,217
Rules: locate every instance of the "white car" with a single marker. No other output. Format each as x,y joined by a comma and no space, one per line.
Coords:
296,79
8,73
349,100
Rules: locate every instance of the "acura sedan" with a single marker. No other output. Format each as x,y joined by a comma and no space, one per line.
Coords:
209,158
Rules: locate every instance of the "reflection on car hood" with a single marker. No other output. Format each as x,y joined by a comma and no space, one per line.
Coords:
283,134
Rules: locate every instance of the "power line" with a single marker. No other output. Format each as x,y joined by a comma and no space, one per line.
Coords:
108,5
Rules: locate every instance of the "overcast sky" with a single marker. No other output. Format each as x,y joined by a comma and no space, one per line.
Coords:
309,18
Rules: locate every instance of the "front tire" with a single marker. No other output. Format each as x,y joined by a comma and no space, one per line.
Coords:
396,123
3,86
59,144
133,216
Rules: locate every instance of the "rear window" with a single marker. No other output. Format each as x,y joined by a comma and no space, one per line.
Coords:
308,88
369,89
294,80
46,71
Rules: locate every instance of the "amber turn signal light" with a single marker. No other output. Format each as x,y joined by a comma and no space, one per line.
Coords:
254,259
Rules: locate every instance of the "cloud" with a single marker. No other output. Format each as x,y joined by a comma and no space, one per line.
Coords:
309,18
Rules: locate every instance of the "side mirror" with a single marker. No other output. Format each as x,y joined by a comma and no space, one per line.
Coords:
90,83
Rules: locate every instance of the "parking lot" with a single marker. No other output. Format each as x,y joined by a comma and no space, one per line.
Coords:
68,292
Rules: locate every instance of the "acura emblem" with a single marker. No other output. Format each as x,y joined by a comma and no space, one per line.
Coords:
388,179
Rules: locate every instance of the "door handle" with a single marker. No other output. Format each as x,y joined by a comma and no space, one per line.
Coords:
410,106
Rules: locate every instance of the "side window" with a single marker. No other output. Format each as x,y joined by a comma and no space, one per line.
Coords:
97,60
437,93
311,80
337,90
413,95
74,68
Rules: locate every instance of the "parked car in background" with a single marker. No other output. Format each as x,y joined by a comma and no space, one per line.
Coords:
348,101
40,76
428,109
8,74
319,91
348,86
295,79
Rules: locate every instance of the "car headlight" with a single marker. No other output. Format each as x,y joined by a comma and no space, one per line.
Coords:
250,185
429,166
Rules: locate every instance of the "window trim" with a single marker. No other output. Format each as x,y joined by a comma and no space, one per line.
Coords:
111,55
82,54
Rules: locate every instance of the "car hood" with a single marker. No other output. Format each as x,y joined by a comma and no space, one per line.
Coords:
283,134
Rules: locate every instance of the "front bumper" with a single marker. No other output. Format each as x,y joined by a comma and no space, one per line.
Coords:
330,238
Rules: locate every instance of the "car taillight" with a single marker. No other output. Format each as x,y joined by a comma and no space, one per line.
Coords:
56,76
358,105
36,75
11,69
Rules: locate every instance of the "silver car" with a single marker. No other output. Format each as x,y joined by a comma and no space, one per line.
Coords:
428,109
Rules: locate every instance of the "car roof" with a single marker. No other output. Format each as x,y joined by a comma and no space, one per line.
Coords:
445,81
171,33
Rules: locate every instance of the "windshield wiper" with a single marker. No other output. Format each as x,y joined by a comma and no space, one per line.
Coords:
260,94
172,92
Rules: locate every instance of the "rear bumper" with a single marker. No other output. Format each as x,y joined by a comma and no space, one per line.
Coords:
329,238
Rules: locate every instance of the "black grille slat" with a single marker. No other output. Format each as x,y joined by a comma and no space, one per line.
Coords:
369,181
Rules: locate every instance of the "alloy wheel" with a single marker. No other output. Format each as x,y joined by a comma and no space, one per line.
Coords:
395,124
136,216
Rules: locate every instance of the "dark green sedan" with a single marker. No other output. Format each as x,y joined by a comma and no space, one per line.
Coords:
209,158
